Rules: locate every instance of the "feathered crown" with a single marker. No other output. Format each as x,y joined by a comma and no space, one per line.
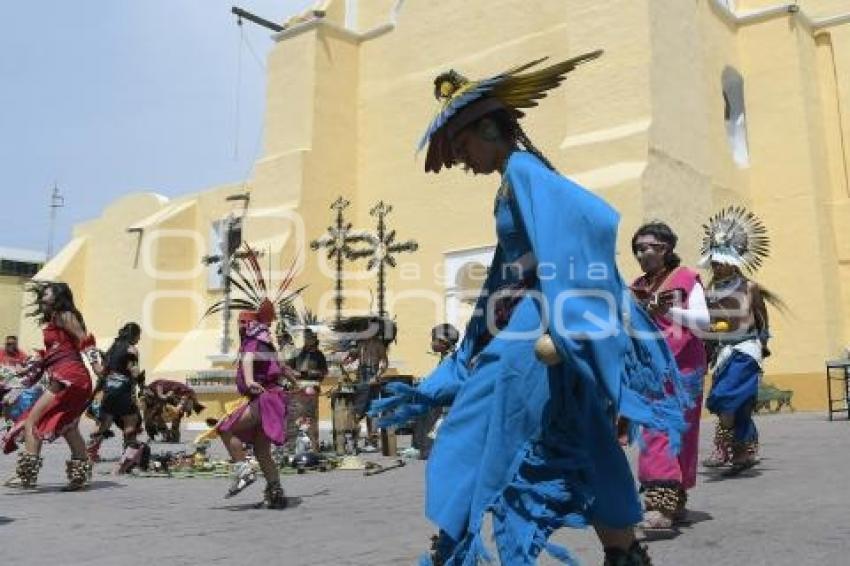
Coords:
247,276
512,89
347,331
735,236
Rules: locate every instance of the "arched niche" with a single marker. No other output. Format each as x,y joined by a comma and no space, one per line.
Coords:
735,115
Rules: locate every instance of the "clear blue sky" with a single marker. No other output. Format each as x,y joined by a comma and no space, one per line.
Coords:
108,97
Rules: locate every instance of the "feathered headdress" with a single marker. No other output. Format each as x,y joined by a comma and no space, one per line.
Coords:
735,236
352,329
258,301
509,90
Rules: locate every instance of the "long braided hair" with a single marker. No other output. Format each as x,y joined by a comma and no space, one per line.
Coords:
510,129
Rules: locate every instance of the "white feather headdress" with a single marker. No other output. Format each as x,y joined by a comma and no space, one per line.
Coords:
735,236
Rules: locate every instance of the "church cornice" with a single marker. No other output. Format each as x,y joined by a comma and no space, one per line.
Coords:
747,17
351,35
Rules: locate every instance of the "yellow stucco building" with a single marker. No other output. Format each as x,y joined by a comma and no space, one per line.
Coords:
16,268
695,105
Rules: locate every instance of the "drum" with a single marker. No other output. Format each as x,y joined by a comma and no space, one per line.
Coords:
344,421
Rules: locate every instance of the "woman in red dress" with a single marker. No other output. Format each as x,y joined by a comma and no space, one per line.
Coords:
68,386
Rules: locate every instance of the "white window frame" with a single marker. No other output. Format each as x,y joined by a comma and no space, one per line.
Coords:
455,262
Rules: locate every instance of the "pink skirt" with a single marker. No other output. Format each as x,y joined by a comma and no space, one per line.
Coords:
656,462
270,409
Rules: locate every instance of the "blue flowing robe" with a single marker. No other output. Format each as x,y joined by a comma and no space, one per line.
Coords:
535,445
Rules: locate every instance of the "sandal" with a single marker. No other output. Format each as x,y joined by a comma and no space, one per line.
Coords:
716,460
244,475
655,520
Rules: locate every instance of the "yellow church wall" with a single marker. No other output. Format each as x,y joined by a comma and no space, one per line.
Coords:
731,184
310,140
721,50
310,161
825,188
288,131
150,266
706,163
825,8
278,181
334,10
788,181
834,59
177,307
786,191
812,8
330,168
69,266
11,299
677,185
608,109
441,212
831,106
289,104
791,191
115,260
373,13
598,113
840,37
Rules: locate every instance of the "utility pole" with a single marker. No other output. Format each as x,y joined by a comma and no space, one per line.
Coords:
57,201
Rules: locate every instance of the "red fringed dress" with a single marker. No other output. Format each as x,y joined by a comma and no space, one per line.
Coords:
62,363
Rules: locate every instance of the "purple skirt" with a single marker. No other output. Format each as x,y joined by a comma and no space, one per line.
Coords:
270,409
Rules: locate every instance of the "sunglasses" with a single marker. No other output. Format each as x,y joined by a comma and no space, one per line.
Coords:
646,247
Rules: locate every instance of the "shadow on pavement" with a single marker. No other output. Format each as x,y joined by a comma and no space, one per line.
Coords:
723,475
695,517
5,520
291,503
319,493
94,486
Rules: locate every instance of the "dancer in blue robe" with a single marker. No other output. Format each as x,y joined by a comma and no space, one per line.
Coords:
555,352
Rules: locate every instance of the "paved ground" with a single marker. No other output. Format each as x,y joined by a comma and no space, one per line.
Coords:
793,510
